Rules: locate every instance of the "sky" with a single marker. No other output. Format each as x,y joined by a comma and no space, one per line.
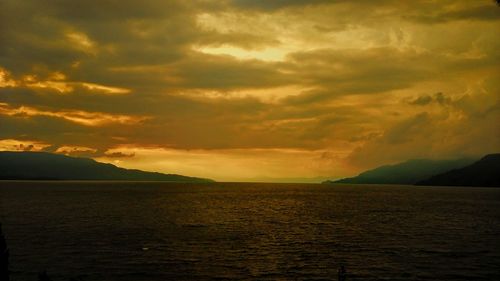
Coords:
251,90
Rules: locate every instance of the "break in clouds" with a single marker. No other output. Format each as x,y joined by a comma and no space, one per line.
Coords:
253,88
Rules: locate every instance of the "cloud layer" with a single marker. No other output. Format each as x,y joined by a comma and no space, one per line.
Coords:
261,89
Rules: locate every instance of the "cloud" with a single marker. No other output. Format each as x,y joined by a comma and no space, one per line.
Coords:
458,130
118,154
55,81
76,116
224,72
422,100
22,145
470,11
269,81
439,98
76,151
277,4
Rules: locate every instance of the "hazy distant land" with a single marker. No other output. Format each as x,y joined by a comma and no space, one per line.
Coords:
48,166
459,172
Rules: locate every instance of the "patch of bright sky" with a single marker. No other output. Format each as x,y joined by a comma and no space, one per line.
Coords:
267,95
81,41
266,54
293,36
253,164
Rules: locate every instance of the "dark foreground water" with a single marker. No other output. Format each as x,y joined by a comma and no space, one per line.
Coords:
225,231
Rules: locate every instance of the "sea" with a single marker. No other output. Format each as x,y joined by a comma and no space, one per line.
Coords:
120,231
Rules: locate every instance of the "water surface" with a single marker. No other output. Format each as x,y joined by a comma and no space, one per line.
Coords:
241,231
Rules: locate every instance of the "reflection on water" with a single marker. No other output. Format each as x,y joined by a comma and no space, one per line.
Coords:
225,231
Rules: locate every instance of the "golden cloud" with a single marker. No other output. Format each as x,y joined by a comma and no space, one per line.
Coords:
77,116
22,145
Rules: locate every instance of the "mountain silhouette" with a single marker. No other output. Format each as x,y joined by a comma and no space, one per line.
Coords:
485,173
49,166
408,172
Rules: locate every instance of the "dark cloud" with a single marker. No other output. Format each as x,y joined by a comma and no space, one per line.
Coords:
485,12
276,4
406,131
118,154
215,72
110,10
422,100
464,129
347,72
439,98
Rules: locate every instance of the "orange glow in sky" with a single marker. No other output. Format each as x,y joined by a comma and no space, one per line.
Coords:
251,90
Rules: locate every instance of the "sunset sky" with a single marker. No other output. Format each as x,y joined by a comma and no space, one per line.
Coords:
251,90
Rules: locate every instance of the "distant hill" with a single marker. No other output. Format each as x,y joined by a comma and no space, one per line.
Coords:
48,166
409,172
485,172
